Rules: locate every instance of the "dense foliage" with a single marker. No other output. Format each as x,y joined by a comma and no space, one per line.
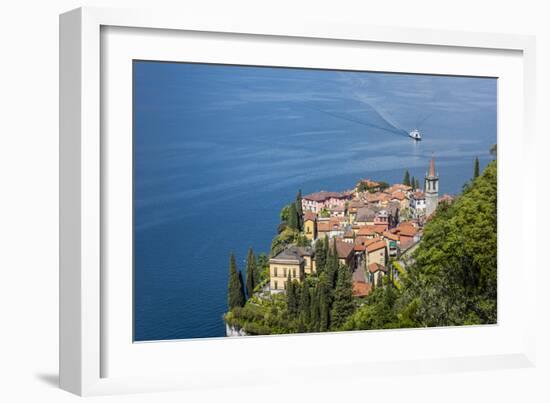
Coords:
453,280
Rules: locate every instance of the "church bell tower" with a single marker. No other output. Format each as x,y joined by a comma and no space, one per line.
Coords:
431,189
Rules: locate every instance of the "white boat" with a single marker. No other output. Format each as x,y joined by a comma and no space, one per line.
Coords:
415,134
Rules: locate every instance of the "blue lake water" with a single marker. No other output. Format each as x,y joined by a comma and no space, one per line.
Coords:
218,150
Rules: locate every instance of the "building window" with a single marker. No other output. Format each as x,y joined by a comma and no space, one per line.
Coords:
284,272
275,272
275,285
294,273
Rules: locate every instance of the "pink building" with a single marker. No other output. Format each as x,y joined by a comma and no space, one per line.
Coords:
315,202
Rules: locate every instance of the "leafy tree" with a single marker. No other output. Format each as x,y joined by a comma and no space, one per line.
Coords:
454,278
383,185
235,291
342,305
379,312
407,178
251,273
262,267
362,187
282,240
476,168
281,227
284,214
324,213
293,217
301,240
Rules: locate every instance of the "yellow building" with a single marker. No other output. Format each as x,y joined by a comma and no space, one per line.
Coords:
294,261
310,225
376,252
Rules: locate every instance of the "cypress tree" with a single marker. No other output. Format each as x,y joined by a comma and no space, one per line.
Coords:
320,256
299,210
476,168
413,183
293,217
250,273
342,305
305,305
332,265
315,313
324,319
327,252
241,284
407,179
235,293
291,297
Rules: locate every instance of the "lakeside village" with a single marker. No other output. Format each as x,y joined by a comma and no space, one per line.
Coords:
333,249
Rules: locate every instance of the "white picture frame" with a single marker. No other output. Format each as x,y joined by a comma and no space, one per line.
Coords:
98,358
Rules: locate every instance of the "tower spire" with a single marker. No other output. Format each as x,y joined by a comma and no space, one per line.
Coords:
432,167
431,189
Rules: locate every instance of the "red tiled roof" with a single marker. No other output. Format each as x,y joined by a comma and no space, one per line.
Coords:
374,267
390,236
406,228
308,215
328,225
323,195
399,195
384,197
378,244
361,289
373,197
446,198
366,230
369,183
398,187
407,231
344,249
363,240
